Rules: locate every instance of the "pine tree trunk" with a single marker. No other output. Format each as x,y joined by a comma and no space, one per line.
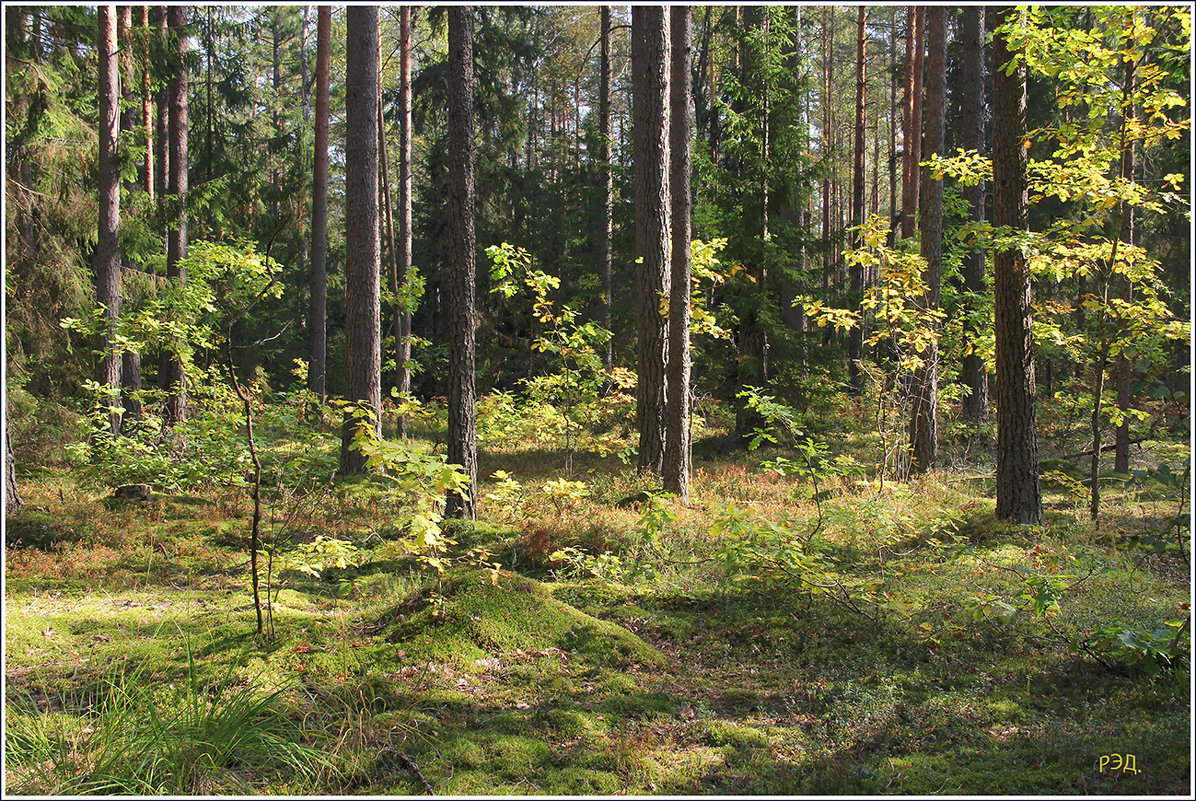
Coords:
462,399
924,410
174,380
12,498
363,356
974,376
1019,496
855,339
604,165
318,312
107,254
404,244
676,451
1125,292
162,121
912,136
388,230
650,82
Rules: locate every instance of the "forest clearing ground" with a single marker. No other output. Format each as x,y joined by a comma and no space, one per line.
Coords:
757,687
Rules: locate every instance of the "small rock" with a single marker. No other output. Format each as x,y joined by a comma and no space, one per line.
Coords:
133,492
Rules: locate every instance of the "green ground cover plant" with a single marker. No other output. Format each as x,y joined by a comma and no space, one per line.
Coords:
803,627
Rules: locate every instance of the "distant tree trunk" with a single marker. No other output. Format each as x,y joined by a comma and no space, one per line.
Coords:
462,435
676,450
855,339
1129,166
130,370
388,230
1019,496
162,122
107,254
363,312
912,133
317,316
403,335
650,87
974,375
923,432
12,498
828,13
174,381
604,140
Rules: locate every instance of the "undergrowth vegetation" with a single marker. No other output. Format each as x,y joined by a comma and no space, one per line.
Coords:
807,625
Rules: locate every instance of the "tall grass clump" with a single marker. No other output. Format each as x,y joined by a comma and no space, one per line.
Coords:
213,739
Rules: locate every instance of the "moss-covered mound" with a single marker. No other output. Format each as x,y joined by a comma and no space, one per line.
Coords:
474,615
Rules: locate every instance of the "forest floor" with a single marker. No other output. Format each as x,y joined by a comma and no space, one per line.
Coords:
948,654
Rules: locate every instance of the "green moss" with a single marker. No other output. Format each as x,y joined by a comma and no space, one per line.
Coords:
476,617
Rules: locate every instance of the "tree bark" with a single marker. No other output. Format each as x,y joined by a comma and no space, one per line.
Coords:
162,121
173,378
855,338
107,254
404,244
12,498
1019,498
604,166
462,400
1125,292
363,355
388,230
974,375
317,317
676,451
650,83
911,142
923,432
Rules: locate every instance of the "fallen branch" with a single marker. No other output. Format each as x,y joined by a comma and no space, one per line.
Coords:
1108,446
411,766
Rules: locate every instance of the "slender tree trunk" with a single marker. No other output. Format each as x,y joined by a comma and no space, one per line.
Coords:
107,254
604,166
147,108
912,136
462,435
1019,497
650,79
162,122
855,339
676,451
363,355
923,432
388,228
827,259
403,272
975,377
173,378
1125,292
12,498
318,312
130,371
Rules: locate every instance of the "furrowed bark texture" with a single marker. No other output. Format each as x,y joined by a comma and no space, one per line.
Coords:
462,434
973,374
676,451
650,82
923,432
363,312
1019,496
